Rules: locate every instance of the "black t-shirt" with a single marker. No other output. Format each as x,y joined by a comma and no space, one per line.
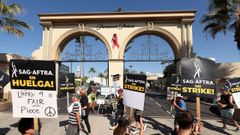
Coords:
120,105
84,102
225,99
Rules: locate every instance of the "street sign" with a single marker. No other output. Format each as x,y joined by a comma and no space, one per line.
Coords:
134,90
33,88
116,77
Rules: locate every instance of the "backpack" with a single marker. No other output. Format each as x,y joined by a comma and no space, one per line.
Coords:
70,107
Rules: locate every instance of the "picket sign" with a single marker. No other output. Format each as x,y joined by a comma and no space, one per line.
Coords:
33,87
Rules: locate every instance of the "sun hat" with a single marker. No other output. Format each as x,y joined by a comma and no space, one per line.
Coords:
179,95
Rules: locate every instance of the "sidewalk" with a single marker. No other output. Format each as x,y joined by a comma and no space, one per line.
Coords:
100,126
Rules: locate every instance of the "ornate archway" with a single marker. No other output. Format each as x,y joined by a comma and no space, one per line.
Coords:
166,35
116,30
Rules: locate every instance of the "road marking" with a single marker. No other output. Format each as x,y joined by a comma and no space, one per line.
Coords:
161,107
158,104
168,112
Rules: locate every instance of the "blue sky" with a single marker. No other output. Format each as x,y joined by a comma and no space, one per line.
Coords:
223,48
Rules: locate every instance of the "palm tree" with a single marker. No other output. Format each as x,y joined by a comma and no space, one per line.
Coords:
223,15
92,70
101,75
8,22
106,75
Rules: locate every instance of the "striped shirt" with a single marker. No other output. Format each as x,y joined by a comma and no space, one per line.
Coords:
72,115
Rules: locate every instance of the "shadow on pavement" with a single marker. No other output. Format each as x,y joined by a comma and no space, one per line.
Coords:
158,126
14,125
215,110
111,119
4,131
215,128
64,124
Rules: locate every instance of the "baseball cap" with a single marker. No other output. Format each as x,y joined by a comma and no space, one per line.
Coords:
120,90
76,95
226,88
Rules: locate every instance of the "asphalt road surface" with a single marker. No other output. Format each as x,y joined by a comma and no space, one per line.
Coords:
156,105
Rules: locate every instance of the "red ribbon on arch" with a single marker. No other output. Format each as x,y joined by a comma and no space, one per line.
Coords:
115,41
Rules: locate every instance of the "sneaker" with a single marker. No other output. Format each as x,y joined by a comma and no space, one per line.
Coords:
237,129
144,127
224,128
112,128
134,131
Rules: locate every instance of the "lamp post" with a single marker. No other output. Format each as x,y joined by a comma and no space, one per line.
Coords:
130,68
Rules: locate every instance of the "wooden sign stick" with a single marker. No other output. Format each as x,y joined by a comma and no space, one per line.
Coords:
198,110
35,121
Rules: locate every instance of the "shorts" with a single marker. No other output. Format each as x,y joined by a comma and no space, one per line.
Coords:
236,115
137,118
227,113
72,130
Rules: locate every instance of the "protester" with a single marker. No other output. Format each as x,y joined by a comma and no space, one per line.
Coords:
120,108
121,129
227,107
74,116
92,99
26,126
179,106
85,108
138,120
185,122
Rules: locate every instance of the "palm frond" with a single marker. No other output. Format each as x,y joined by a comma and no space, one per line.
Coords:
214,28
14,26
12,30
15,23
237,35
10,10
8,22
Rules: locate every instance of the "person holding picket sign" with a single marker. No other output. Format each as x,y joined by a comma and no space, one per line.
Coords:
179,105
26,126
74,120
227,107
120,108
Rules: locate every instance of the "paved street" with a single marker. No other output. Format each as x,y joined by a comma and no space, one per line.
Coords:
156,115
156,105
100,126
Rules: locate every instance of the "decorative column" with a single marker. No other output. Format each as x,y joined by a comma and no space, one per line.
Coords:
50,29
189,40
183,47
47,39
44,41
115,66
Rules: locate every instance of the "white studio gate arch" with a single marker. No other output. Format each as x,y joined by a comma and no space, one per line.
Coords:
115,30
